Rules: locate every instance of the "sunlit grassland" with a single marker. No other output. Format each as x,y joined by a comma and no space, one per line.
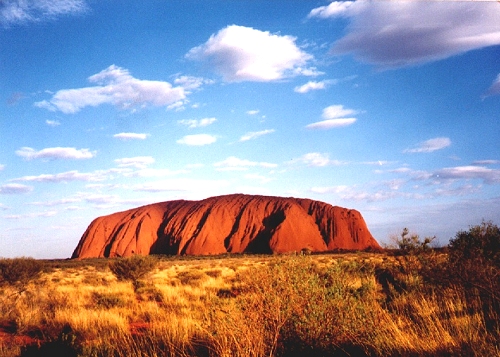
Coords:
359,304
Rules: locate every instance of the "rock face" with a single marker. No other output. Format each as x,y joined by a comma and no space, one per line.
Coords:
226,224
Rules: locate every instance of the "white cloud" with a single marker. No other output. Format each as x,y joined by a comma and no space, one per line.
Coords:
334,9
197,123
32,215
197,140
241,53
52,123
131,136
190,82
431,145
102,199
253,112
14,189
486,162
65,177
495,87
311,85
331,123
258,178
137,162
115,86
490,176
334,118
2,167
255,134
63,201
337,111
55,153
20,11
233,163
317,159
147,172
183,184
400,33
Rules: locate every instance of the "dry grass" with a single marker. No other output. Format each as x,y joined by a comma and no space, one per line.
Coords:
246,306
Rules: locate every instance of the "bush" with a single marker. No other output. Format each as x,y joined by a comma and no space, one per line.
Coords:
411,243
19,271
474,262
133,268
108,300
480,245
474,258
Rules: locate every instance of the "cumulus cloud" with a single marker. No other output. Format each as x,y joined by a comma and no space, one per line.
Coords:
197,123
197,140
431,145
489,176
233,163
401,33
241,53
52,123
20,11
15,189
311,85
137,162
334,116
334,9
255,134
337,111
131,136
116,86
55,153
317,159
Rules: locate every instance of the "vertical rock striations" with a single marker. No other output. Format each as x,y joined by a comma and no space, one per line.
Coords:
226,224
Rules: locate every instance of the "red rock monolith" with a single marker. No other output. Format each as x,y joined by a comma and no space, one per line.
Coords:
226,224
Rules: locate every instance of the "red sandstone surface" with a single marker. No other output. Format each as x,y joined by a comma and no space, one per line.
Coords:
226,224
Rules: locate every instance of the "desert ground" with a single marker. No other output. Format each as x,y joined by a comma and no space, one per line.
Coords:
339,304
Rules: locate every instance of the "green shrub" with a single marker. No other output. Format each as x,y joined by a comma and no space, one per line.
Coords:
133,268
474,263
479,245
19,271
108,300
474,258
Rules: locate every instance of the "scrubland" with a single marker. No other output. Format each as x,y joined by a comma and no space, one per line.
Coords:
352,304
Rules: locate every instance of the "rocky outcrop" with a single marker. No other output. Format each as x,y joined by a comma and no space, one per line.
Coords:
226,224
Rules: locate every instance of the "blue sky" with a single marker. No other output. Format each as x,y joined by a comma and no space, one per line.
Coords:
390,108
